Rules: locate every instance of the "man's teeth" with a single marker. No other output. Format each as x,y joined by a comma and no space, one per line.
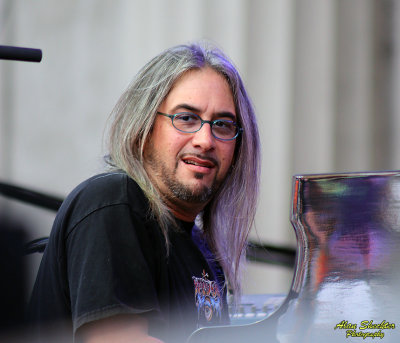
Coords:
194,163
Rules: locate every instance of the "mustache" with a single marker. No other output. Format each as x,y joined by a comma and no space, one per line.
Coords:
200,156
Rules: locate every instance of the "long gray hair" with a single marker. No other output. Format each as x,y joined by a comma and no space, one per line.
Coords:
227,219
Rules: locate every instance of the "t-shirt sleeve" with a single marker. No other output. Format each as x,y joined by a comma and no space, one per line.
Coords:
107,271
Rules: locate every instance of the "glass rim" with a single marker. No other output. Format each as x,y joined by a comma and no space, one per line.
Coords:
202,122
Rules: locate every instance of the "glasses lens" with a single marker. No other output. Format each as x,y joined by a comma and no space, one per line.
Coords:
224,129
187,122
191,122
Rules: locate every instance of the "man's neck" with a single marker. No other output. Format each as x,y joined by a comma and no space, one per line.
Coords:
183,210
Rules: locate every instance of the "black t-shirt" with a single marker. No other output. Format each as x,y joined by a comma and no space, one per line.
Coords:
106,255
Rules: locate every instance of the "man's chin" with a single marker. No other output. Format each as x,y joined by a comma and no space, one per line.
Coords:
193,193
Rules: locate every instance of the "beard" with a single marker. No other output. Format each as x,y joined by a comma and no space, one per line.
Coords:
199,194
158,170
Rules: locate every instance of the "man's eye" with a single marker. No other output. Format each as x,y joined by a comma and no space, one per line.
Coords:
223,124
219,124
186,118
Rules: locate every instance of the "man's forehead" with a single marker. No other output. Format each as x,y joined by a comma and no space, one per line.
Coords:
196,89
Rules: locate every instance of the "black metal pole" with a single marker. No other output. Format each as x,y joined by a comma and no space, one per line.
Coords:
20,54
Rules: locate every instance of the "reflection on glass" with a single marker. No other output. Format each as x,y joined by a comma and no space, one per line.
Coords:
348,240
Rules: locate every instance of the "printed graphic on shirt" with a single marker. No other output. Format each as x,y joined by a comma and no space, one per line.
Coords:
208,298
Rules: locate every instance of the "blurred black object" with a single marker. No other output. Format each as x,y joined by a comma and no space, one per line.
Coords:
20,54
13,273
30,196
37,245
266,253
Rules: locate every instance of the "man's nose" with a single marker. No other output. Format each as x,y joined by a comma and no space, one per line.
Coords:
204,137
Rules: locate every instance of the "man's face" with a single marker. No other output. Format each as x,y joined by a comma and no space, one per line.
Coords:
189,167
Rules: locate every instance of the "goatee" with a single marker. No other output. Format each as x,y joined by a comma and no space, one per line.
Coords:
182,192
177,189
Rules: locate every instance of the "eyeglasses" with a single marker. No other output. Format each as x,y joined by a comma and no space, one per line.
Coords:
222,129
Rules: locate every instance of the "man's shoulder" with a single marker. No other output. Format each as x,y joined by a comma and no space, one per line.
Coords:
110,187
110,182
101,191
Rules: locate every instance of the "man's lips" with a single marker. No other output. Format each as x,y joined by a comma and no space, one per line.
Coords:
200,163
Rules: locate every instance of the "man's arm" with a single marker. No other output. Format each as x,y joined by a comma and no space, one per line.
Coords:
123,328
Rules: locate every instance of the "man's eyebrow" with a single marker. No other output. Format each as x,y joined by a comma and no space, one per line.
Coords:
185,107
191,108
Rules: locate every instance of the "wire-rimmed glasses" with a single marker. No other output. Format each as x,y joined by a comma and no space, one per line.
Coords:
222,129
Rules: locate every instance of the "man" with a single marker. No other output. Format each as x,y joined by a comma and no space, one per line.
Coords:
125,262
